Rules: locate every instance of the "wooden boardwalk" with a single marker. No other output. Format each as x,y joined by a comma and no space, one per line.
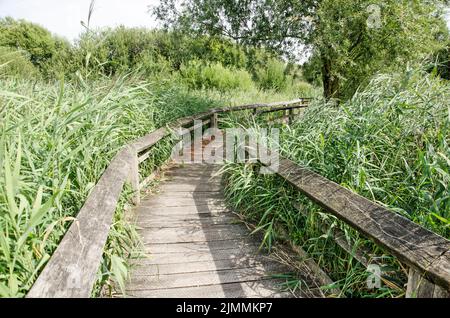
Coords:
196,246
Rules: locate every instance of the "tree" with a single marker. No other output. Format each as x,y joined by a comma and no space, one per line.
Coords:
352,38
37,41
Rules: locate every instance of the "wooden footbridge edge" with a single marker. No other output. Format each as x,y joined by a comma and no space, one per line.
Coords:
72,269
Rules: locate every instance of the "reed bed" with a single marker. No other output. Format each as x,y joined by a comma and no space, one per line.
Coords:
56,139
389,143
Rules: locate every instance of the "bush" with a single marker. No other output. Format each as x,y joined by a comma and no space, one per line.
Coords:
300,88
389,143
15,63
272,75
215,76
30,37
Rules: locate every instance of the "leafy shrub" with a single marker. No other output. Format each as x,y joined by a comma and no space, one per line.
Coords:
15,63
389,143
272,75
300,88
215,76
32,38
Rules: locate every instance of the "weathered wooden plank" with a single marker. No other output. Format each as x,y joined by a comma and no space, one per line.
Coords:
281,108
204,187
192,235
185,195
236,243
150,139
260,289
190,267
411,243
190,208
167,223
158,216
214,121
200,279
192,178
419,287
72,269
201,211
133,176
247,255
200,125
182,202
257,106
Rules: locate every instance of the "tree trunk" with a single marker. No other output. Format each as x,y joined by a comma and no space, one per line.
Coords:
330,82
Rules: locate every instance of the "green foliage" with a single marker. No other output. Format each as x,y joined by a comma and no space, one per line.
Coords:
61,63
301,89
440,62
375,36
14,63
389,143
114,51
272,75
32,38
55,142
215,76
351,39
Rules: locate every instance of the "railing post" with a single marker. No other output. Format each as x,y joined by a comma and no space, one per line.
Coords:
291,116
133,177
420,287
214,121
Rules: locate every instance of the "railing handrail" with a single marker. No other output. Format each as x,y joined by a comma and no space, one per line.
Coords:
425,251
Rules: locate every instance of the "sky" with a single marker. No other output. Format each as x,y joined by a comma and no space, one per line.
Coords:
63,17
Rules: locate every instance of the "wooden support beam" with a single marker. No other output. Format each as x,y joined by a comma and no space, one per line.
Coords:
420,287
291,115
133,176
214,121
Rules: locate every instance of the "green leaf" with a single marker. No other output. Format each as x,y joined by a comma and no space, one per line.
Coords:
4,291
119,271
35,220
5,246
10,189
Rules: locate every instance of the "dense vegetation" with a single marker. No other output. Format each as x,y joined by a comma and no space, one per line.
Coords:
66,108
350,40
389,143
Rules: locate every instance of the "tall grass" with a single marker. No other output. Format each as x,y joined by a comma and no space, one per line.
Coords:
198,75
15,63
55,141
390,143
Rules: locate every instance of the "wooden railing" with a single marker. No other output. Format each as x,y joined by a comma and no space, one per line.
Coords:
72,270
425,253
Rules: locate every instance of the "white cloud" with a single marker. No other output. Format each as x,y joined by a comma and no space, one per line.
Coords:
63,16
